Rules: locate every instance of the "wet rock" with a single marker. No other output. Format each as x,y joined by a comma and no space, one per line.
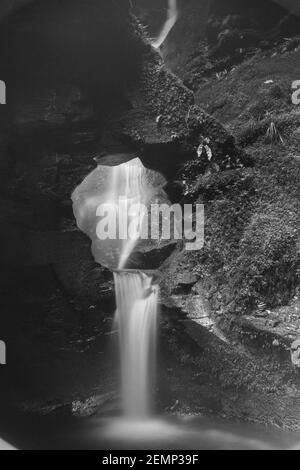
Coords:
115,158
152,255
50,107
38,409
93,405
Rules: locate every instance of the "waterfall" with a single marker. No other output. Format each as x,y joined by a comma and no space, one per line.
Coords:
136,318
131,175
119,197
136,299
172,17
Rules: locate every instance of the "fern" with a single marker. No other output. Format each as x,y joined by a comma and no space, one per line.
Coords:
273,135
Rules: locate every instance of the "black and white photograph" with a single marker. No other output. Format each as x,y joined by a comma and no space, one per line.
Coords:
149,228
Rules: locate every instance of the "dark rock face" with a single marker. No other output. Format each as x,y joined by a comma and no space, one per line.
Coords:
185,39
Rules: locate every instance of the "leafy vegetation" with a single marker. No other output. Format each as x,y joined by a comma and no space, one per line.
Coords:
251,255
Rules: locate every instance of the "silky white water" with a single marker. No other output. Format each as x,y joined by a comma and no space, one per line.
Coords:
136,318
128,184
136,299
171,20
128,189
